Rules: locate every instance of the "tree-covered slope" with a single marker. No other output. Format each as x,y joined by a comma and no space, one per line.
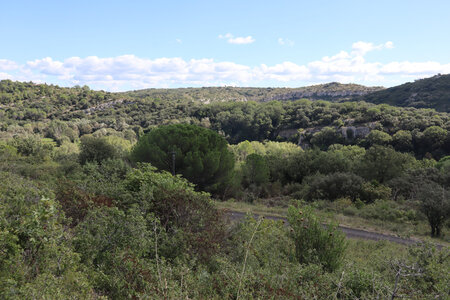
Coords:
35,102
433,92
331,91
28,101
66,114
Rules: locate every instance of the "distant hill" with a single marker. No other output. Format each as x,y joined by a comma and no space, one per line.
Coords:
331,91
433,92
66,114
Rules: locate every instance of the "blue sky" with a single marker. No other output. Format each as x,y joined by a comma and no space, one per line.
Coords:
118,45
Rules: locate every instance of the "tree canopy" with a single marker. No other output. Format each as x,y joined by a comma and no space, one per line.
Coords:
201,155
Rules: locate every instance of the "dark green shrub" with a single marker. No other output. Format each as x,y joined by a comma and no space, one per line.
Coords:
34,146
109,241
372,191
360,283
180,209
334,186
95,149
315,243
37,259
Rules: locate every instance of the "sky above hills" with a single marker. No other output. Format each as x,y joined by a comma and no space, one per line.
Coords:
118,45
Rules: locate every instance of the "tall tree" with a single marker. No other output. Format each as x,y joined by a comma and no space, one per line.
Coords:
200,155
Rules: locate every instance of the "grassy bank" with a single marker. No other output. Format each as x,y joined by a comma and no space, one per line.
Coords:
415,230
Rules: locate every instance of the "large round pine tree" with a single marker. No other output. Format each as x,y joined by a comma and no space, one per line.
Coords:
201,155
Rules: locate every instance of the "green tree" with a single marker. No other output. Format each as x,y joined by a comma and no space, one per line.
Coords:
95,149
201,155
434,202
402,140
256,171
434,136
377,137
444,163
242,149
334,186
432,140
326,137
384,163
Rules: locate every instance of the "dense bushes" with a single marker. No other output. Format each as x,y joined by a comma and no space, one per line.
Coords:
37,260
255,170
263,170
334,186
122,232
106,239
94,149
177,206
379,174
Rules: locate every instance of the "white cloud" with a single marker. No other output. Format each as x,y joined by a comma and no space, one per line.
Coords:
47,66
179,41
7,65
284,72
237,40
285,42
132,72
361,48
139,72
5,76
414,68
389,45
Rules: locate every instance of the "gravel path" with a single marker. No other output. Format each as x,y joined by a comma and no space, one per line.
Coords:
349,232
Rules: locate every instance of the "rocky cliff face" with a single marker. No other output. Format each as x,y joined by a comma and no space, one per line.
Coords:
353,132
326,92
106,105
349,132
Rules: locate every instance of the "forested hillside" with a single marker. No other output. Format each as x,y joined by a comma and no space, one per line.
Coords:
331,91
65,114
113,196
433,92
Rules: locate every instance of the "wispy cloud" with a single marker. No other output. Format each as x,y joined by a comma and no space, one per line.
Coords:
237,40
132,72
285,42
179,41
361,48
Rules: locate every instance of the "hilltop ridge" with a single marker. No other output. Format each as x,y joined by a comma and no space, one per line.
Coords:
332,91
432,92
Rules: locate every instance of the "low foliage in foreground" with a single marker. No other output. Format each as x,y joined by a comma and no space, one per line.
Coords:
103,229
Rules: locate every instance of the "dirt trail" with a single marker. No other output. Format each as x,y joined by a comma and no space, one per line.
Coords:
349,232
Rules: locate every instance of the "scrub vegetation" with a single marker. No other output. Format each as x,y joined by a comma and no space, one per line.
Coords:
114,195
